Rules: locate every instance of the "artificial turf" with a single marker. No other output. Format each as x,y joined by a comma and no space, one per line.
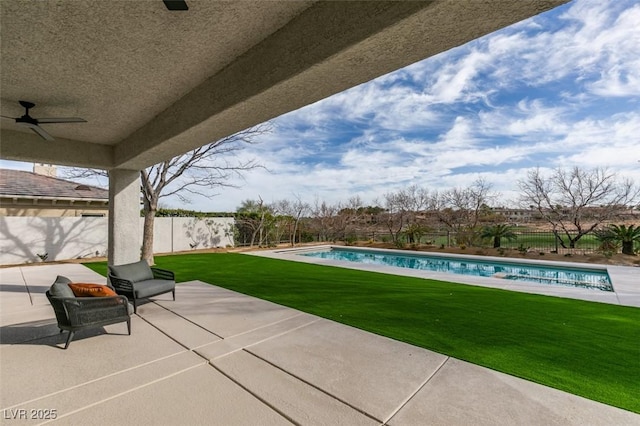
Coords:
585,348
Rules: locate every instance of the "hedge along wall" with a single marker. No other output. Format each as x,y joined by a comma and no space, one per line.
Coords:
27,239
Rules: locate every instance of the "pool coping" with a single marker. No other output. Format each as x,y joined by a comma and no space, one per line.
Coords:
625,279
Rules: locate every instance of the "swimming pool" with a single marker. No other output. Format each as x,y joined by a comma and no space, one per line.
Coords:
590,278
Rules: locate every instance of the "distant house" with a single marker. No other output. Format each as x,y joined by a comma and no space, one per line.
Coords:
41,193
514,215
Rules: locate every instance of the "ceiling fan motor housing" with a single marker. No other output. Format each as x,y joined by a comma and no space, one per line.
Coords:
26,118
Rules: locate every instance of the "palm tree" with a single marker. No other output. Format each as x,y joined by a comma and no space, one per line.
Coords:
498,232
609,243
626,235
414,232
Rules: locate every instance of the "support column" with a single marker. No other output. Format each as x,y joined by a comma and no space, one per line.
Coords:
124,216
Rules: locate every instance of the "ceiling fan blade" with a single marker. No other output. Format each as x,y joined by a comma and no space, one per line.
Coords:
40,131
8,118
61,120
176,4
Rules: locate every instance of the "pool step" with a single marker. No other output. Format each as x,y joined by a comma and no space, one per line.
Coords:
576,283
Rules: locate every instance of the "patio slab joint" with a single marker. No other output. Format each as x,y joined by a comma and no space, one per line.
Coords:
316,387
413,394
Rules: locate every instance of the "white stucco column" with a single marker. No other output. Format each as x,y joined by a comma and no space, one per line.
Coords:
124,216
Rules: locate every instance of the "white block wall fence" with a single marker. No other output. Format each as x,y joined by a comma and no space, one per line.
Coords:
27,239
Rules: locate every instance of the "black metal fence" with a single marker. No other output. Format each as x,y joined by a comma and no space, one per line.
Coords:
526,241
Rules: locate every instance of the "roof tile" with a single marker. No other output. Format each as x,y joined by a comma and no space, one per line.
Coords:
28,184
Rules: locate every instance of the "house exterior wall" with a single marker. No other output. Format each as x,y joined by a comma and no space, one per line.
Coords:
57,211
50,207
22,239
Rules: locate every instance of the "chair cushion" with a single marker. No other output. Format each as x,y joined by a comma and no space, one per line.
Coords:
60,287
91,290
152,287
134,272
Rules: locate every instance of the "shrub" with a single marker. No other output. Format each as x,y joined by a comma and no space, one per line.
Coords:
497,233
307,237
627,236
350,240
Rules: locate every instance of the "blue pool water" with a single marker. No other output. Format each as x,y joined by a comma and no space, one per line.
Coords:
574,277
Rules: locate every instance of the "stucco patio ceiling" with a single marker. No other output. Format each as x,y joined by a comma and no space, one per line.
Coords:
152,83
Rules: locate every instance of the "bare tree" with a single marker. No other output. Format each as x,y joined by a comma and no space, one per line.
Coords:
348,218
323,217
255,215
398,208
461,209
576,201
294,211
417,200
283,221
193,173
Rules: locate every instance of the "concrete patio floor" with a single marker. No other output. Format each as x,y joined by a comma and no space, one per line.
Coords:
215,356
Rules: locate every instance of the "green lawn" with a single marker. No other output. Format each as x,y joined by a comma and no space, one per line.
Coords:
588,349
547,240
536,240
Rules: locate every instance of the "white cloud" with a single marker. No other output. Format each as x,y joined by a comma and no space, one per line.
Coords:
456,81
460,136
618,81
528,119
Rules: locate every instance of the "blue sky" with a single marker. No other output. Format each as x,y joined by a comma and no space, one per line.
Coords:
557,90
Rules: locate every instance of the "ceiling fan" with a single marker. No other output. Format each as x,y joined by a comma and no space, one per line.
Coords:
34,123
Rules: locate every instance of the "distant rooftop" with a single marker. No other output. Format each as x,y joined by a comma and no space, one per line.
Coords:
23,184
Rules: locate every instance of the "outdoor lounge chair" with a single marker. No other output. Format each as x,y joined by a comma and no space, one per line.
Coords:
139,281
78,313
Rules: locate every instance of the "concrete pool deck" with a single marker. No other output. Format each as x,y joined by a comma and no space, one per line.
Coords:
625,279
215,356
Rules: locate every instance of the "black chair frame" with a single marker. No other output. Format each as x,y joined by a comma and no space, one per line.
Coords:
79,313
126,287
